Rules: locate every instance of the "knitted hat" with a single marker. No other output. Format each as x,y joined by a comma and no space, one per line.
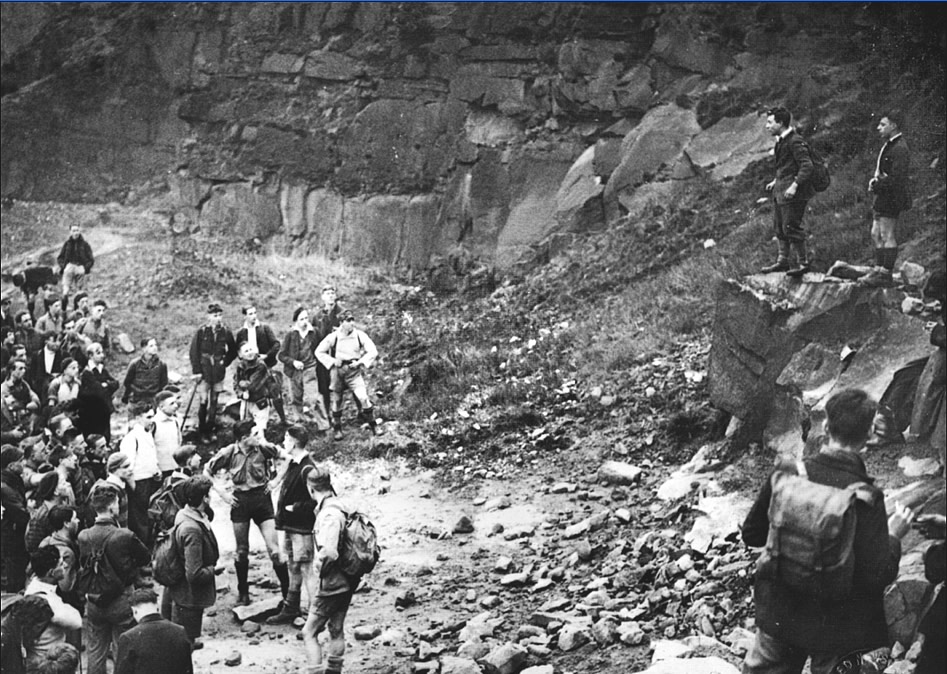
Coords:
116,461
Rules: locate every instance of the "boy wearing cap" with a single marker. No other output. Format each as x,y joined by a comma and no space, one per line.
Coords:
335,589
346,353
246,461
213,349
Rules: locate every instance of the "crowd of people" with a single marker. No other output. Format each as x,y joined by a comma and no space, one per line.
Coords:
90,522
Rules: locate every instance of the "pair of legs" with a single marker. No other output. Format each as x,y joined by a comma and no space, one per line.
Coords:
256,506
883,237
769,655
790,237
191,618
138,519
327,612
207,395
297,384
73,276
105,625
298,550
354,382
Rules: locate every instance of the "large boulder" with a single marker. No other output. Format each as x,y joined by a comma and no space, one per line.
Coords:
730,145
240,211
777,346
578,202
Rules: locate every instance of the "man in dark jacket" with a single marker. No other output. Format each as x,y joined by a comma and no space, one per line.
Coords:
259,334
792,626
96,388
890,186
791,191
13,557
213,349
146,376
295,517
155,645
108,612
75,260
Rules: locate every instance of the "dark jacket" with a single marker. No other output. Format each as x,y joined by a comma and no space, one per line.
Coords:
13,555
793,164
77,251
212,352
37,373
94,402
293,492
326,321
126,553
297,347
254,376
154,646
197,544
266,342
892,188
144,379
857,622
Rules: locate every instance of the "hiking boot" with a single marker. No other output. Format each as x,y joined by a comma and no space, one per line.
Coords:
799,270
197,645
284,617
243,599
337,434
781,265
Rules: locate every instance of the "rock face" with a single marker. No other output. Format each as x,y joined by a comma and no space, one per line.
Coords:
781,346
400,133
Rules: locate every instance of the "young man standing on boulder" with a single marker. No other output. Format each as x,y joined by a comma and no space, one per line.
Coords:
794,624
890,186
213,349
791,192
75,260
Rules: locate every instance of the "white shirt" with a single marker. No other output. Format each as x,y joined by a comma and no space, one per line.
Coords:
48,358
167,437
65,618
251,337
139,446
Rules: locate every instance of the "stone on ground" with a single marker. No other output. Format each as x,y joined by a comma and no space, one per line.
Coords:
258,610
619,472
505,659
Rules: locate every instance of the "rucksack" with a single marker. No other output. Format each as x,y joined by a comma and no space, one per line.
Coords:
167,565
163,506
820,178
810,546
358,545
97,578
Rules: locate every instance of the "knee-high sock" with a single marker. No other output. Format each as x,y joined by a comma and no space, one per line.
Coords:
242,566
282,572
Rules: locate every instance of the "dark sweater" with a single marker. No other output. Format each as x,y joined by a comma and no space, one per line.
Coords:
294,493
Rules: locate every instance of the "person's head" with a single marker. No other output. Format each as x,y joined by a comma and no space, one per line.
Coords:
120,466
45,563
183,455
75,231
74,441
98,310
196,490
141,414
348,322
167,402
80,302
848,417
59,658
16,370
97,447
329,296
11,458
63,518
319,482
104,500
64,457
51,340
69,324
243,429
55,309
889,124
777,120
23,319
149,346
215,314
247,352
300,318
249,314
144,602
70,369
95,353
46,489
297,437
18,352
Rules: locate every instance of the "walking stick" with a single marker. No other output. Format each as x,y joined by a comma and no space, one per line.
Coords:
190,401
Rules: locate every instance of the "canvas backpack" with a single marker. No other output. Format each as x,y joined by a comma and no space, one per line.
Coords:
163,506
167,565
810,546
821,178
97,578
358,544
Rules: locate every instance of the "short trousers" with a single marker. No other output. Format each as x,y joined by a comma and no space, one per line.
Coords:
331,611
298,547
254,504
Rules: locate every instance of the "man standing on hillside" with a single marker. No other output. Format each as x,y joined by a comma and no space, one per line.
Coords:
75,260
890,186
791,191
213,349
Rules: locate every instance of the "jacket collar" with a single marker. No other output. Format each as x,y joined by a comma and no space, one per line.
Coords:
844,460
